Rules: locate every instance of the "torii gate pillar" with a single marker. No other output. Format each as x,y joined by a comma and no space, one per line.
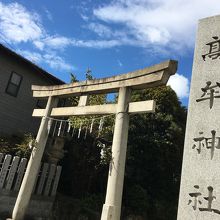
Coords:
112,207
30,176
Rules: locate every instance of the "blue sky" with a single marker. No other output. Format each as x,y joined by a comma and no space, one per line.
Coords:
109,37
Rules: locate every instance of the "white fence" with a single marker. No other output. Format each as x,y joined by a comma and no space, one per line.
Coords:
12,170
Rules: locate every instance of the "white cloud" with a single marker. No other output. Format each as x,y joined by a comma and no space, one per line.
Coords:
180,84
48,14
100,29
98,44
141,23
39,44
50,58
52,42
169,24
56,42
164,22
19,25
30,55
57,62
84,17
109,35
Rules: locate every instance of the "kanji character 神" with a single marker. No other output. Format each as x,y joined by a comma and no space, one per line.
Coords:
211,143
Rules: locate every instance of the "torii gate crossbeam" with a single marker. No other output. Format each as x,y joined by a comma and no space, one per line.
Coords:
149,77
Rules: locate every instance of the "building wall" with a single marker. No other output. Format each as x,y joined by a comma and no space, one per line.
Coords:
16,112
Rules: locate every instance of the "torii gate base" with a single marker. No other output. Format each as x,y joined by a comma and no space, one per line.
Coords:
149,77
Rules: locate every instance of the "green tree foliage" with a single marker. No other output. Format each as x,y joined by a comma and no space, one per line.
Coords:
73,78
18,145
73,100
154,156
153,160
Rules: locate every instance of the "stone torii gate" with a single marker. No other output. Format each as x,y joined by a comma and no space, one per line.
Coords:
146,78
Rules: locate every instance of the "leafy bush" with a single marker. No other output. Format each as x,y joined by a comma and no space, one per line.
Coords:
16,145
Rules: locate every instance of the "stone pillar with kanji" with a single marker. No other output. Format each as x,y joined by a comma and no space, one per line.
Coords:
200,180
